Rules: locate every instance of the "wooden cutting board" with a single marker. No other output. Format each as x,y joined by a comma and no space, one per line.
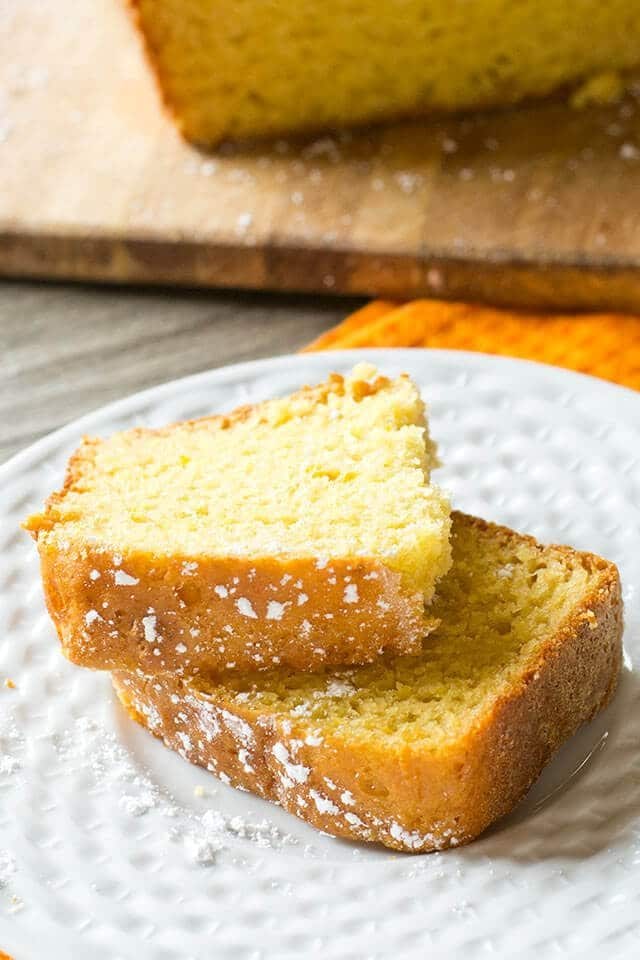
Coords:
539,206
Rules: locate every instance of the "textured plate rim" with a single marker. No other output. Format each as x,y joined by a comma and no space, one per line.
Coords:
529,369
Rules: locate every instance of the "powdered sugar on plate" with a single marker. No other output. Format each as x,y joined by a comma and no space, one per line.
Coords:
7,867
208,835
11,745
203,836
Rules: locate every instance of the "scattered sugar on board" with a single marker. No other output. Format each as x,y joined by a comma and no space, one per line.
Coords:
629,151
408,181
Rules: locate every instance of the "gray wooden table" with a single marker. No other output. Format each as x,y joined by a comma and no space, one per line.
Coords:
65,350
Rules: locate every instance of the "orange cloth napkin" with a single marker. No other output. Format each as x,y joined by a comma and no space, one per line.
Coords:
605,345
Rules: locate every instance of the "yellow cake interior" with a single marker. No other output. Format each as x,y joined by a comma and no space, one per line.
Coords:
257,67
502,600
340,470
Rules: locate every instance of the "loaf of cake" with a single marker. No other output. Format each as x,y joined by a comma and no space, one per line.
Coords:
417,752
244,70
300,531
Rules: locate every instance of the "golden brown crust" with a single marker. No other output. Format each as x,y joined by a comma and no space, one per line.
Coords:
153,62
134,610
407,799
221,614
311,127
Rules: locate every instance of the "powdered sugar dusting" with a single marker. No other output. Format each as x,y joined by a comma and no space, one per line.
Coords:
201,849
351,593
149,625
205,839
353,819
410,840
7,867
11,744
207,718
245,608
123,579
203,836
337,688
275,610
294,771
136,806
323,804
239,728
9,764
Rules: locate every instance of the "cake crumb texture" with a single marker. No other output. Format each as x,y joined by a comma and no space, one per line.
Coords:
253,68
299,531
418,752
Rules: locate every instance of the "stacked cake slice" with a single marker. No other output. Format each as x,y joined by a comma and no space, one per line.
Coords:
275,593
302,532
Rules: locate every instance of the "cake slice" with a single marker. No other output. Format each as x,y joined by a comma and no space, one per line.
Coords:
419,752
237,70
300,531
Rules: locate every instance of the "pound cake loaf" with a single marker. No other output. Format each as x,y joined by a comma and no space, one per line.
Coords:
300,531
418,752
256,68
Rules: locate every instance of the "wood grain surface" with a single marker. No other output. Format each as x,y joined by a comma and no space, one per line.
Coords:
65,350
539,206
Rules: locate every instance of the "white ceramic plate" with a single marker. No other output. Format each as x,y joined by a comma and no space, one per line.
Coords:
107,852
